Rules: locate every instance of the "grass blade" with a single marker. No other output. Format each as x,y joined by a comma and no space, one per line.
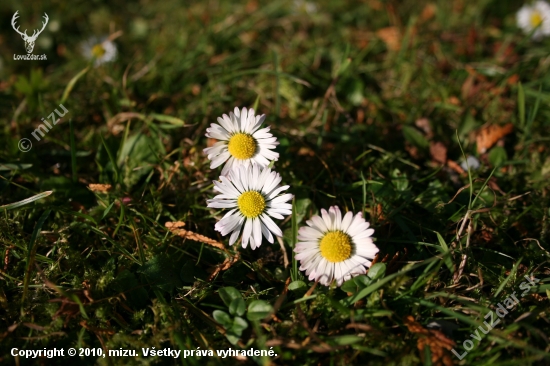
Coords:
521,105
11,206
112,159
73,151
31,250
71,85
294,273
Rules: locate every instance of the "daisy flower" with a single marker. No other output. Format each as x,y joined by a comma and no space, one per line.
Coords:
241,141
536,16
335,248
252,194
301,6
101,50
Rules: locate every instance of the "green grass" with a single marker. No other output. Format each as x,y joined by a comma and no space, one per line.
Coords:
101,270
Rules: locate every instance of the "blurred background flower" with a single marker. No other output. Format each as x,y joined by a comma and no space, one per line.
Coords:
101,50
535,18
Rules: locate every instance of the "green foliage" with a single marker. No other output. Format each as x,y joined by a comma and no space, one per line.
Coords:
32,87
160,272
259,309
234,324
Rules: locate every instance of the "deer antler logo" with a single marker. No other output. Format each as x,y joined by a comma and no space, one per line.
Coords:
29,40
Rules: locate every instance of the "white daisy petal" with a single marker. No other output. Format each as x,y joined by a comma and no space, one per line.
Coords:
260,160
257,232
334,247
279,211
337,216
275,192
358,228
216,149
305,233
281,199
266,233
235,234
225,122
365,234
327,219
247,232
319,223
368,252
346,221
221,204
258,121
227,224
271,225
275,214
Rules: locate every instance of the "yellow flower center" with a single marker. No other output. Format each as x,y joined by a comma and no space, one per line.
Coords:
536,19
98,50
335,246
242,146
251,204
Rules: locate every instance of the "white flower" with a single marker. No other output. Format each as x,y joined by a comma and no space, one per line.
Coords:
536,16
301,6
252,194
471,162
335,248
101,50
241,141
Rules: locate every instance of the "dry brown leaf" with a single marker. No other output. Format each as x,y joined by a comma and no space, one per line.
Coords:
492,183
210,142
378,212
9,330
227,263
375,4
175,227
412,150
391,37
425,126
114,124
218,58
251,6
428,12
513,80
455,166
362,327
304,150
487,136
439,344
361,38
34,326
438,151
196,89
247,38
475,86
96,330
7,257
100,188
453,100
69,308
